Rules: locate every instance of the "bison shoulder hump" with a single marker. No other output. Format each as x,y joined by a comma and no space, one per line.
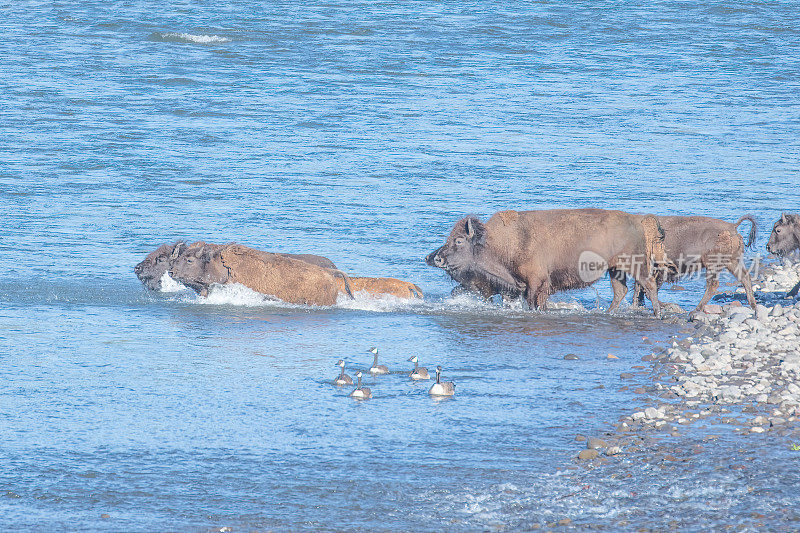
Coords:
508,217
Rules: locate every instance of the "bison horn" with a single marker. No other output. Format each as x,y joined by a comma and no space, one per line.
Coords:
470,228
176,251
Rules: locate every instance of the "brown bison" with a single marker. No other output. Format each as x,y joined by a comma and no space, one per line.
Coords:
785,239
538,253
277,275
380,286
697,243
157,263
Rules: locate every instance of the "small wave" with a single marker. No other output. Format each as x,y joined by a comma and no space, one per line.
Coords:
187,38
170,285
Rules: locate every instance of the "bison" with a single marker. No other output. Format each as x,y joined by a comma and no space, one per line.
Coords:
538,253
785,239
157,263
277,275
380,286
698,243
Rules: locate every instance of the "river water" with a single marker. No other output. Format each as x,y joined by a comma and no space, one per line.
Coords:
361,131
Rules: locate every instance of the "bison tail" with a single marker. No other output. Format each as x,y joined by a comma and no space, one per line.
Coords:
416,291
751,237
346,280
657,252
655,221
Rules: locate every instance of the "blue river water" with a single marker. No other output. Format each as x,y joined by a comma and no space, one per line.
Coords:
360,131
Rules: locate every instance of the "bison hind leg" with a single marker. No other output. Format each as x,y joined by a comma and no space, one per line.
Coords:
650,288
740,272
619,284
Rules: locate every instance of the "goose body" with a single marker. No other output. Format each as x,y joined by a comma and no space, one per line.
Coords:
377,369
440,388
342,379
361,393
419,372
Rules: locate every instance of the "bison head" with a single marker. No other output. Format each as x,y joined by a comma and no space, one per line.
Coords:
785,236
152,269
466,258
198,267
458,256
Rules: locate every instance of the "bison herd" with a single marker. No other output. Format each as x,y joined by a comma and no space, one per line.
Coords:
528,254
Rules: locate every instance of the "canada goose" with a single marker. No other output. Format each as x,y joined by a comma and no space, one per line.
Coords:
361,393
342,379
448,388
419,372
377,369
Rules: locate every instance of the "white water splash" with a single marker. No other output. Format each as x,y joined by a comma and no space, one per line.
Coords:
239,295
170,285
365,301
189,38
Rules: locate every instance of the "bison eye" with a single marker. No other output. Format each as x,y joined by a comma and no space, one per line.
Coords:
160,260
777,230
459,242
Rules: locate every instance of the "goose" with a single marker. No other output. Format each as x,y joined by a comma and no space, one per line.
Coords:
448,388
419,372
377,369
361,393
342,379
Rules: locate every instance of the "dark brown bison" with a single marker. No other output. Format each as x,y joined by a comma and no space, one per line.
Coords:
538,253
380,286
695,244
157,263
277,275
785,239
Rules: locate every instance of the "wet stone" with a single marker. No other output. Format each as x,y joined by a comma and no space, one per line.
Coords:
588,454
595,443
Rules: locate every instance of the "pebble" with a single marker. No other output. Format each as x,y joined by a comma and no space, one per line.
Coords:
571,357
734,360
588,454
613,450
595,443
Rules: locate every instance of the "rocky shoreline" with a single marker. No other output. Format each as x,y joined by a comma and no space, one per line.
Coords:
730,365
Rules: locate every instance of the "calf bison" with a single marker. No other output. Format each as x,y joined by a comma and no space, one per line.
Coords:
698,243
785,239
381,286
537,253
285,278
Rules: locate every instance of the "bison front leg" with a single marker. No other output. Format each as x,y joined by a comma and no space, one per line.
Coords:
536,294
619,284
